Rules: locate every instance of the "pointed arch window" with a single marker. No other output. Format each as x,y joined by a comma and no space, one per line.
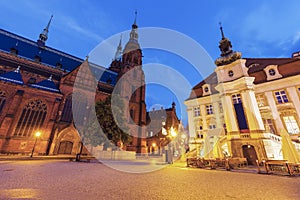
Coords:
2,100
79,108
32,118
67,111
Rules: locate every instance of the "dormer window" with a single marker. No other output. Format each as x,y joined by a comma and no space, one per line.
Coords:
32,81
37,58
230,73
272,72
206,89
14,51
58,65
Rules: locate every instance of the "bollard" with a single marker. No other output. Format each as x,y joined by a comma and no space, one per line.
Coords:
227,166
258,168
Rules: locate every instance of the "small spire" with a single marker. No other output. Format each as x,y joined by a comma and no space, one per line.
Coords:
48,25
221,28
87,58
50,78
120,43
118,54
18,69
134,25
44,35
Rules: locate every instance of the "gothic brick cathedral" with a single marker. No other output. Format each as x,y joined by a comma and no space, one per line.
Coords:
36,94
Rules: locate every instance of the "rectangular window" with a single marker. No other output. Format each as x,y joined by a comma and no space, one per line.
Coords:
261,101
269,126
197,111
281,97
209,109
291,124
236,98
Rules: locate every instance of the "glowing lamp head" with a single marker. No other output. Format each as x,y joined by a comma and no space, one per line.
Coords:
38,134
153,145
173,132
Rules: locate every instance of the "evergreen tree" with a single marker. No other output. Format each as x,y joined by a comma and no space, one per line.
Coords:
114,131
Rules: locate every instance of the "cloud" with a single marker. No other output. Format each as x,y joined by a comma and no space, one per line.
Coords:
75,26
296,38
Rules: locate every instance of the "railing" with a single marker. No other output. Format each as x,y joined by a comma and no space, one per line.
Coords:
282,167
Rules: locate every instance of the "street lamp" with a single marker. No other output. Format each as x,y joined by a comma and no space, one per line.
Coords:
37,134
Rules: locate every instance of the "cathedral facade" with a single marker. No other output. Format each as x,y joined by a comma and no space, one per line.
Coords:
37,94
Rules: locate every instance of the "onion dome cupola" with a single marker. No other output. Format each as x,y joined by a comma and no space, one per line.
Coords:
227,54
44,35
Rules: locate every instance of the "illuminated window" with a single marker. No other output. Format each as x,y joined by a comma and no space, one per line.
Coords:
281,97
209,109
291,124
236,99
2,100
32,118
261,101
197,111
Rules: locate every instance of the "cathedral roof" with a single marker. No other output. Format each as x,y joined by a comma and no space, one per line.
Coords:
30,49
47,85
13,77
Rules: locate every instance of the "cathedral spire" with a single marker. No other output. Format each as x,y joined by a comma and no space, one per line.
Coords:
44,35
133,33
134,25
118,54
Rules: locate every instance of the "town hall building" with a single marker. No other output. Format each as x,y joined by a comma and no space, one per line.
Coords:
249,102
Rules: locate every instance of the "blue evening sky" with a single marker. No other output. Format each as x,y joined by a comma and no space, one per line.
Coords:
257,28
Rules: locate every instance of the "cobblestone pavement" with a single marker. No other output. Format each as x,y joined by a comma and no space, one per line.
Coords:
59,179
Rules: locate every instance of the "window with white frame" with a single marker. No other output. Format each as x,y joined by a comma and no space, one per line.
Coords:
197,111
209,109
291,124
236,98
261,101
281,97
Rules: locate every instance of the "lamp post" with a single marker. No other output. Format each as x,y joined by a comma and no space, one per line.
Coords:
170,152
37,134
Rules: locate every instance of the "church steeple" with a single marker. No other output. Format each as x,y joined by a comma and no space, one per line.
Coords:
227,54
134,34
132,45
44,35
119,52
